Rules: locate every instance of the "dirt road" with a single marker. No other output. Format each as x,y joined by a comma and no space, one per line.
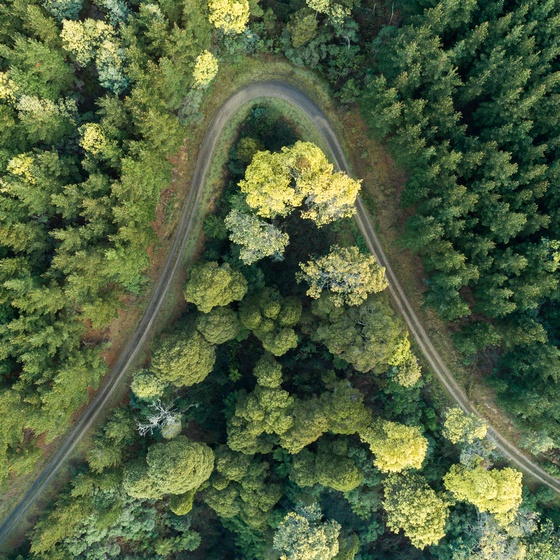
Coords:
289,93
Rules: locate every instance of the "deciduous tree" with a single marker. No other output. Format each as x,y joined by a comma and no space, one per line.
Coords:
184,358
496,491
462,427
412,506
212,285
205,69
256,237
270,317
396,447
231,16
304,536
218,325
345,273
366,336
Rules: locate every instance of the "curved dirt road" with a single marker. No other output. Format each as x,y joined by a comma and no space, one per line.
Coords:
294,96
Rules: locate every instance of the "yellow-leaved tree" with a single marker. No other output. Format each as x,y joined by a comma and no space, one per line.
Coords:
348,275
496,491
414,507
462,427
205,69
396,447
300,175
231,16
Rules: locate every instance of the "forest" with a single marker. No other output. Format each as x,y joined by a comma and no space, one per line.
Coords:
284,414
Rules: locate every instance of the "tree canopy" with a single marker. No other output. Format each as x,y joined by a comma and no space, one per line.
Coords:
212,285
346,274
396,447
184,358
495,491
413,506
303,536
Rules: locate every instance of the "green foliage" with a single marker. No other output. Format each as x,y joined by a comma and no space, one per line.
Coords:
330,467
183,503
145,385
396,447
63,9
219,325
229,15
366,336
264,411
343,407
257,238
484,211
303,536
495,491
347,275
175,467
205,69
270,317
240,487
462,427
211,285
111,443
184,358
302,27
309,424
275,183
412,506
268,371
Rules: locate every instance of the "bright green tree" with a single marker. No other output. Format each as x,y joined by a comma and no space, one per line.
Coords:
82,38
212,285
145,385
184,358
496,491
344,409
270,317
231,16
330,467
175,467
264,412
276,183
310,422
268,185
396,447
256,237
367,336
218,325
345,273
240,486
268,371
462,427
304,536
412,506
179,465
205,69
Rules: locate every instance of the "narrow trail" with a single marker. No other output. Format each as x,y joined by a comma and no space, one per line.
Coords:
289,93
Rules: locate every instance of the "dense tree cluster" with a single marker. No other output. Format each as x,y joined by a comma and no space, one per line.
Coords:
466,95
89,97
274,185
267,422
